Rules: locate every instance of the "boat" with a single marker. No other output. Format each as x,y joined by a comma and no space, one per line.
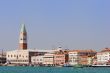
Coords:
101,65
67,65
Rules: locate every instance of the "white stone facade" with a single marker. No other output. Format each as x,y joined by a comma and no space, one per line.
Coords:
48,59
73,58
37,59
18,56
103,57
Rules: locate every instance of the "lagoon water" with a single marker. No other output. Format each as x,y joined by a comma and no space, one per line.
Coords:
6,69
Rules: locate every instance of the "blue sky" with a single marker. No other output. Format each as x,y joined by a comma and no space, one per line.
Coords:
73,24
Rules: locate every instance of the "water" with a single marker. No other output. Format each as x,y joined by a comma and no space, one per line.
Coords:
5,69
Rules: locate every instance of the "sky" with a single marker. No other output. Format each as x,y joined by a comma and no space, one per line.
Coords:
71,24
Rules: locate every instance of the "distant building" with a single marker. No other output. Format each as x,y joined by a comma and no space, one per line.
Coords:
2,58
57,58
81,56
51,57
94,62
37,60
20,56
73,57
90,60
60,57
48,59
103,57
83,60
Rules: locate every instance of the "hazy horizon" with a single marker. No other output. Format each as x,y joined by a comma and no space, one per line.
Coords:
72,24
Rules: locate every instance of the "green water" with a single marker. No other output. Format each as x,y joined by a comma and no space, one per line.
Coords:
6,69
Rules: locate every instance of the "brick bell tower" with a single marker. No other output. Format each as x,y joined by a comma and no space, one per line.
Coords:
23,38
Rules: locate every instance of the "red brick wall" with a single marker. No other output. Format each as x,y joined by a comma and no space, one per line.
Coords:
23,46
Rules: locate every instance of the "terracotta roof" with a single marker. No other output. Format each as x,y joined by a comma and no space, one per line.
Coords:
89,50
106,50
60,52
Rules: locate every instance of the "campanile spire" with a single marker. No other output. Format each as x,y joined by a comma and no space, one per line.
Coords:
23,38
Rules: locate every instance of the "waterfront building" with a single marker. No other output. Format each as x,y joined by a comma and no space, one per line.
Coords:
94,62
2,58
60,57
37,60
86,60
103,57
51,57
80,56
20,56
73,57
83,60
48,59
90,60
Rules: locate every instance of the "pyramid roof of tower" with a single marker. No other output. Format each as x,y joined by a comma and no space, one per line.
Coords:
23,29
